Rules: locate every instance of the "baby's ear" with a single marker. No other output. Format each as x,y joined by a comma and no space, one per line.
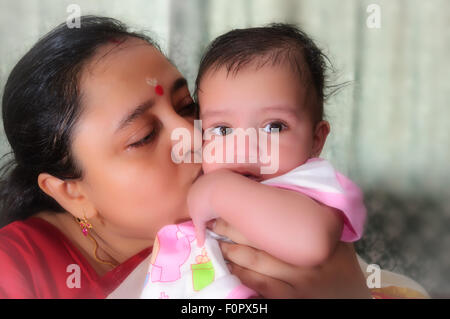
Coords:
321,132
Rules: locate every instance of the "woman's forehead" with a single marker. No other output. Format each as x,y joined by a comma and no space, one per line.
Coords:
118,81
122,72
128,58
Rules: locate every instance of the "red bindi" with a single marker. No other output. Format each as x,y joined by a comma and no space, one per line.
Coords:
159,90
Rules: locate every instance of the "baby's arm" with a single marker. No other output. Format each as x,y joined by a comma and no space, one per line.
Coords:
286,224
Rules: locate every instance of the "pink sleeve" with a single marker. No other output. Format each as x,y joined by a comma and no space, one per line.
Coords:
349,202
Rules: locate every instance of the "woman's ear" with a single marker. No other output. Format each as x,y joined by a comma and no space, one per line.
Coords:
321,132
66,192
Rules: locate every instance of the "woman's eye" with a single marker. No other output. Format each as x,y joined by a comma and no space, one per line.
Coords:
144,141
222,130
274,127
190,109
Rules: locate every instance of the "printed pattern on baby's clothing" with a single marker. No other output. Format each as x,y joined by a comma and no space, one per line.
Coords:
180,269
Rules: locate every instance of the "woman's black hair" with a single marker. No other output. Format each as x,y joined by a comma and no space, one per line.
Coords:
272,44
40,107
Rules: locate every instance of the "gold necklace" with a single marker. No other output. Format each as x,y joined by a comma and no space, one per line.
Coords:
98,259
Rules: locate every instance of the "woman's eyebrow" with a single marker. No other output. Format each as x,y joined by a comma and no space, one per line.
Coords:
142,108
136,113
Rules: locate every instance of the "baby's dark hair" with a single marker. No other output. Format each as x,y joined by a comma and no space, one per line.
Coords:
273,44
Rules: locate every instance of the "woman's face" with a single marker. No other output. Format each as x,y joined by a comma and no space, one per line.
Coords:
122,141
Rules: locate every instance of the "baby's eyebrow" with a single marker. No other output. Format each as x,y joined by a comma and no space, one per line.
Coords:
271,108
280,108
214,113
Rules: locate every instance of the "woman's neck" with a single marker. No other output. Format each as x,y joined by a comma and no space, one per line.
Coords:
112,249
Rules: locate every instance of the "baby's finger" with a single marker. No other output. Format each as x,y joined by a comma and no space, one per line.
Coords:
260,261
200,234
265,286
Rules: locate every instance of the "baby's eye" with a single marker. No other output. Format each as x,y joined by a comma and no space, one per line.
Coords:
222,130
274,126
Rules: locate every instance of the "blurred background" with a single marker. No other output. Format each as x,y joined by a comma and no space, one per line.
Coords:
389,127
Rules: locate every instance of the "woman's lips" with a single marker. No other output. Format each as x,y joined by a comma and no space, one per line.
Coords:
253,177
200,173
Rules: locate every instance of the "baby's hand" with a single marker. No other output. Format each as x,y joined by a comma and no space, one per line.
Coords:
200,206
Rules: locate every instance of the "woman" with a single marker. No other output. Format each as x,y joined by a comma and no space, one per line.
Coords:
89,114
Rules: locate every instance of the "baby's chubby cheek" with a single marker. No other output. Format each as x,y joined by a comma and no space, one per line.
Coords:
285,161
288,157
284,164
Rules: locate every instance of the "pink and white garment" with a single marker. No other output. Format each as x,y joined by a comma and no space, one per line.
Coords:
319,180
181,270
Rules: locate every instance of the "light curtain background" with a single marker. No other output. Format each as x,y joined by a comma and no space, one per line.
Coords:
389,126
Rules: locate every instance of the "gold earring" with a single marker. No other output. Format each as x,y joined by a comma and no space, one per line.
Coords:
84,224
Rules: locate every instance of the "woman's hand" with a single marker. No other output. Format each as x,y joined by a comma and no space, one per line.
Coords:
339,277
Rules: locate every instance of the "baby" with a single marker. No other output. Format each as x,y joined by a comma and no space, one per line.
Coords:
269,79
272,78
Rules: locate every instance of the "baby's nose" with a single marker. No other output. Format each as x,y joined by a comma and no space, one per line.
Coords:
245,148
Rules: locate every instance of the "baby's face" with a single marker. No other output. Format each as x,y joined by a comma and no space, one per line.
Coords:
267,98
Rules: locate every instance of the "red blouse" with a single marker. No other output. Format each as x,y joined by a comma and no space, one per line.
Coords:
38,261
